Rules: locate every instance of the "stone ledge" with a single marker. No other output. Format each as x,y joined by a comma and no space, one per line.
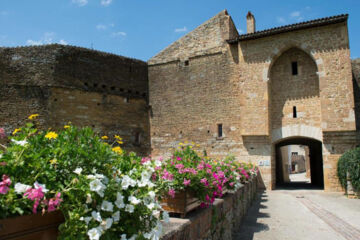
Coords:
217,222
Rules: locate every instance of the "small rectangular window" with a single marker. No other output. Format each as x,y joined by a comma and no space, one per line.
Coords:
220,130
294,67
187,63
294,112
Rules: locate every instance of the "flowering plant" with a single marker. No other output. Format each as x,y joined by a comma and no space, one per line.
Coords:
189,170
102,191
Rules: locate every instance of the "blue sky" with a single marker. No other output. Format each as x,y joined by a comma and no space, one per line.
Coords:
142,28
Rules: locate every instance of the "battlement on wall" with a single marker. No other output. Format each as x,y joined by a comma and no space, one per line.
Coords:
73,67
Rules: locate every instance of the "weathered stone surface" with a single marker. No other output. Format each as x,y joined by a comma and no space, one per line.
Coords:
70,84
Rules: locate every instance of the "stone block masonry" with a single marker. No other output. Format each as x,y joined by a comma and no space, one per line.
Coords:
218,222
70,84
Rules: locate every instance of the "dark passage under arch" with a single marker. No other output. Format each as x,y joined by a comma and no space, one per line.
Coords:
316,162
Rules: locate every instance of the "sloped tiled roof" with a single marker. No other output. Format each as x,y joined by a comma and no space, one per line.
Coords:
291,27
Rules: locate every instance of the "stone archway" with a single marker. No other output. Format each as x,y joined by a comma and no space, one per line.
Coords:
315,155
294,103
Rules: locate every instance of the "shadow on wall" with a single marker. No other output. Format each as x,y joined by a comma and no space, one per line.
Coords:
250,224
356,89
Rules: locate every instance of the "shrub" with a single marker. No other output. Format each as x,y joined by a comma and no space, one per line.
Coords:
349,162
101,190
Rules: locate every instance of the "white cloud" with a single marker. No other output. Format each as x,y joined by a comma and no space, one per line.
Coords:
47,38
63,42
240,30
179,30
80,3
281,20
118,34
106,2
295,14
101,27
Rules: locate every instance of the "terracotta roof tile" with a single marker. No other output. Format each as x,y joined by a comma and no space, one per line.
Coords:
291,27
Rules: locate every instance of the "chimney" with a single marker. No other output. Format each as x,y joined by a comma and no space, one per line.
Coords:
250,21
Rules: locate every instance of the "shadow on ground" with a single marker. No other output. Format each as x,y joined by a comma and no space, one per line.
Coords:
298,186
250,223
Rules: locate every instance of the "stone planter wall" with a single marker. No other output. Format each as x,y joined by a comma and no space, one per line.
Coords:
218,222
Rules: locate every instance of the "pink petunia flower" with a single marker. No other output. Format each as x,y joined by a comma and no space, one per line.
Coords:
187,182
4,184
171,192
179,166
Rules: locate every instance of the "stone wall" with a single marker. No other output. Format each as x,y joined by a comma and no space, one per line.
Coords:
200,82
71,84
221,221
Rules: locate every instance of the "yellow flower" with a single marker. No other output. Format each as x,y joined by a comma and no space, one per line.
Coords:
104,137
190,147
51,135
53,161
198,145
186,142
192,143
33,116
16,130
118,150
118,137
67,126
180,143
120,142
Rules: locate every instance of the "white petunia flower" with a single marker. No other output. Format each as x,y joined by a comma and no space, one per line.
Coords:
94,234
165,216
86,219
21,143
107,223
152,194
42,186
155,233
127,181
97,186
21,188
78,170
119,201
116,216
88,198
133,237
123,237
158,163
92,177
107,206
96,216
134,200
129,208
150,206
155,213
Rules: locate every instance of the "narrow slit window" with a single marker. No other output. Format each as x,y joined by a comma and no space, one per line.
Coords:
220,130
294,112
187,63
137,138
294,67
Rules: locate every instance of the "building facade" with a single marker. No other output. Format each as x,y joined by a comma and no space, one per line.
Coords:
251,94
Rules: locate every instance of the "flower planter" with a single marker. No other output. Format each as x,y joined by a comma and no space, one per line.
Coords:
182,203
31,227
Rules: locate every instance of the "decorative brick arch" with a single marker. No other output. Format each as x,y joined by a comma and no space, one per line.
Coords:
277,52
